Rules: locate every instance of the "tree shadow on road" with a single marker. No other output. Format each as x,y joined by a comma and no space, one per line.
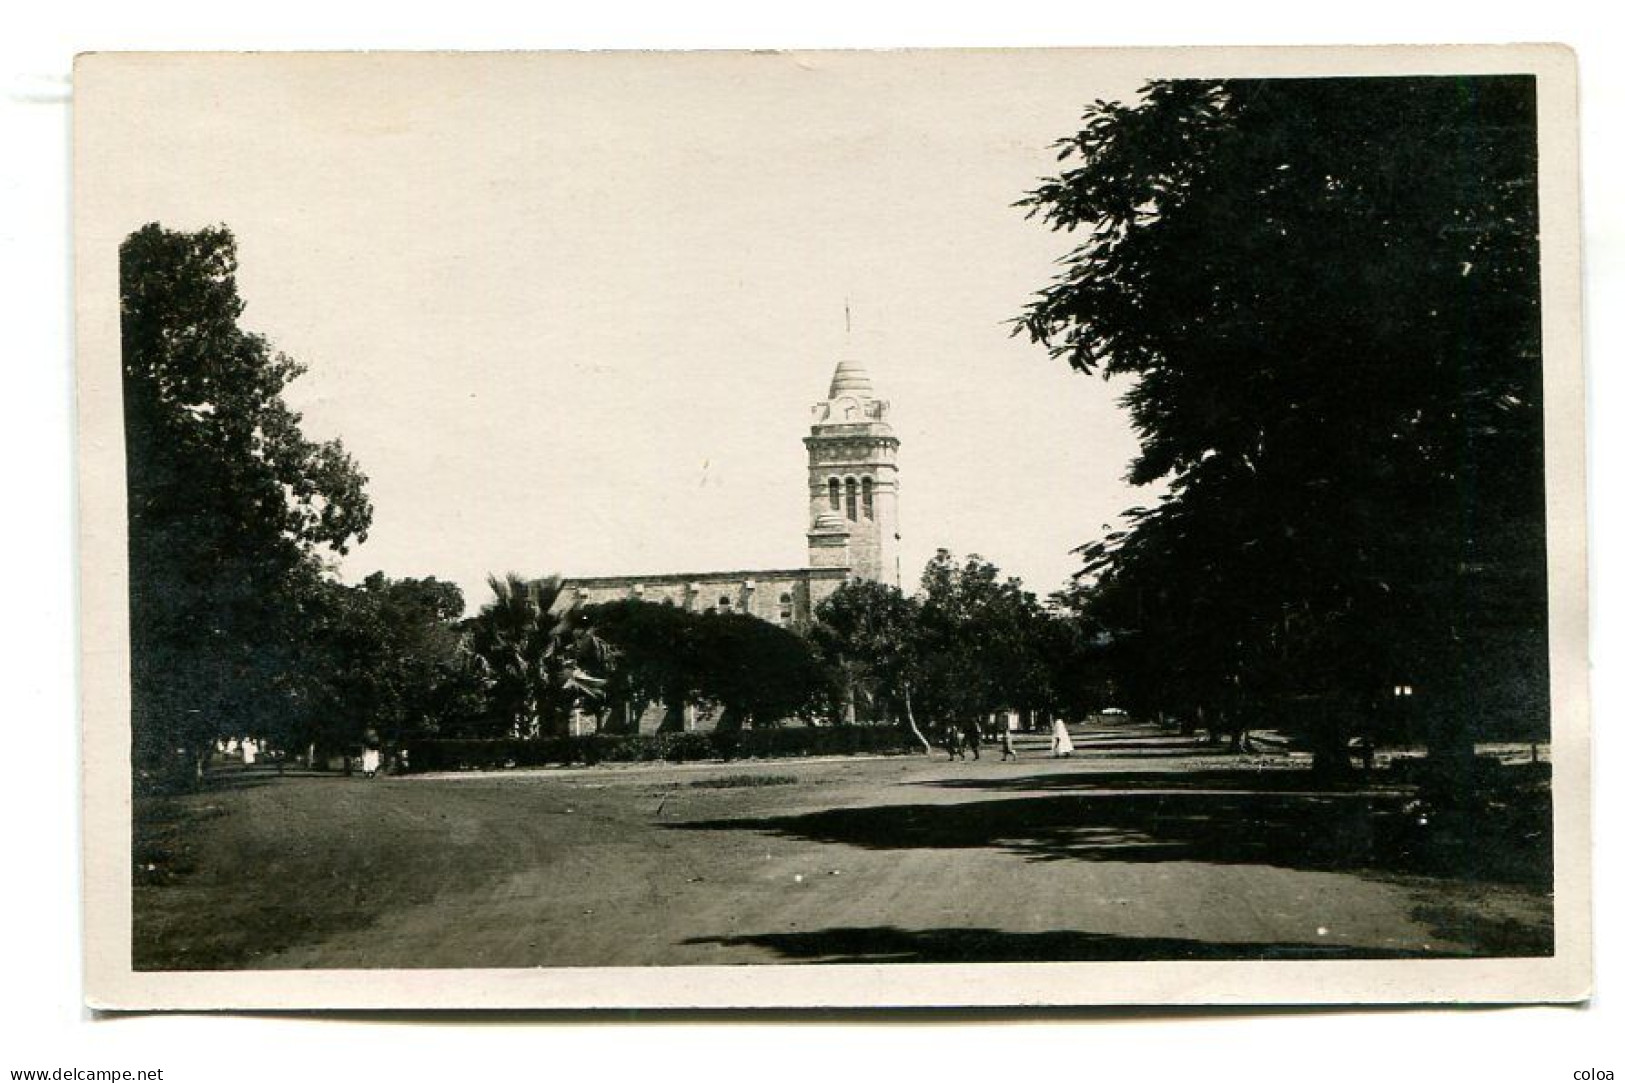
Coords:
1316,830
1236,779
247,778
1153,746
1124,750
890,944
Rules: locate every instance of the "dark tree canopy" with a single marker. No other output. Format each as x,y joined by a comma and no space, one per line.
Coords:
756,672
1325,297
969,643
384,657
759,673
868,635
656,660
231,507
982,641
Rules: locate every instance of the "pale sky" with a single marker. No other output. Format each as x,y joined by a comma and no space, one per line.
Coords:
569,313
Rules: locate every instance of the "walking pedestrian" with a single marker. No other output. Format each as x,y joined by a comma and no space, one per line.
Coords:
1060,741
973,738
954,741
1007,743
371,754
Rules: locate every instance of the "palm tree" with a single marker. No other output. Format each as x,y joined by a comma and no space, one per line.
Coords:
532,649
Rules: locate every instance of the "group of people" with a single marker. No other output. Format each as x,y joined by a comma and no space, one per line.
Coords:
960,739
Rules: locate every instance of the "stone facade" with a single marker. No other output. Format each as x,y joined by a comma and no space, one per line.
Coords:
852,531
852,522
852,474
785,596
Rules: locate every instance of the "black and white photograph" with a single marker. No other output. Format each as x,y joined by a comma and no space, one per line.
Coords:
832,528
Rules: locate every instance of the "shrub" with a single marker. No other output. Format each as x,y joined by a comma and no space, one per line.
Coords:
775,743
743,782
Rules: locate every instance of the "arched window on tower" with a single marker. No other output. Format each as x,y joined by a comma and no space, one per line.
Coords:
786,608
852,499
834,494
725,604
868,498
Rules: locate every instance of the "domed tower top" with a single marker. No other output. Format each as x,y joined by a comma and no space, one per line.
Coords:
851,405
851,379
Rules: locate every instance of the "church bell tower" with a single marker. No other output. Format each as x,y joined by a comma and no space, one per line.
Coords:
852,479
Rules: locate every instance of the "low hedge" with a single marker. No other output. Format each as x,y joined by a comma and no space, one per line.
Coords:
789,742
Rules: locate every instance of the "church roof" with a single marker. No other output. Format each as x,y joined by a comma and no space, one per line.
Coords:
851,379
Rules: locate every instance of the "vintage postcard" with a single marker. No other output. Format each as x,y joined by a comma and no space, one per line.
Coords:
867,529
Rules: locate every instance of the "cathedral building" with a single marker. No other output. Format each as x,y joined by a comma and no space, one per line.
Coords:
852,524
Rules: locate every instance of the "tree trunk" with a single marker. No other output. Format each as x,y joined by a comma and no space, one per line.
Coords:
730,721
672,721
1451,758
913,727
1330,740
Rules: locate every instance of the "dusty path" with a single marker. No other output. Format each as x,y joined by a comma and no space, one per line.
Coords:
1140,847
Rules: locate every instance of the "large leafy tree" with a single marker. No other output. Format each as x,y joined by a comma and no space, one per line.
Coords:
1325,297
969,643
384,657
423,660
231,508
868,635
655,660
984,642
759,673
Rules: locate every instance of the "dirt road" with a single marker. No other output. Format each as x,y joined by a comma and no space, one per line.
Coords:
1140,847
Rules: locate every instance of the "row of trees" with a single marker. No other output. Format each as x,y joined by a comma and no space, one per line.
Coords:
239,626
1325,298
968,643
